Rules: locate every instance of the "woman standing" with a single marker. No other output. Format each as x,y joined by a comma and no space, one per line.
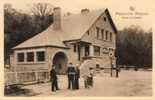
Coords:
85,71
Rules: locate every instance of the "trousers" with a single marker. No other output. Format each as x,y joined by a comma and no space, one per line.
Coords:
71,83
54,84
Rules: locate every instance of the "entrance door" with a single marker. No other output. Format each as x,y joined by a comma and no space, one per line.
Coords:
60,62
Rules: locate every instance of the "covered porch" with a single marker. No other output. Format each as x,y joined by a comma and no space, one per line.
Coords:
84,50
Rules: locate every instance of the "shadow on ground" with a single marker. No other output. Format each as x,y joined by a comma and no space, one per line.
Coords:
16,90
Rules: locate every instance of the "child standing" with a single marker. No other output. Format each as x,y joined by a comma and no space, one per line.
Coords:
90,80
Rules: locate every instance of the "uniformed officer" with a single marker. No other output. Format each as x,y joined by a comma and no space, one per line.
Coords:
53,75
71,74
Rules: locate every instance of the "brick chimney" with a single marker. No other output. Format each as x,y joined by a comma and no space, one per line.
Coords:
84,11
57,18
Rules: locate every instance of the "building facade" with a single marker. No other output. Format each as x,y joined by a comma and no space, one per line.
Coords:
71,38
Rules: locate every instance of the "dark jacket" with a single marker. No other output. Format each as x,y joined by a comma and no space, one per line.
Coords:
53,74
77,73
70,71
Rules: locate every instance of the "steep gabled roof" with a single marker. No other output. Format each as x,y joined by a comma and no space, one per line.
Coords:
74,27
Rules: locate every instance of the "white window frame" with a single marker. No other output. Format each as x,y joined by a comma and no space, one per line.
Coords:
27,56
18,57
35,56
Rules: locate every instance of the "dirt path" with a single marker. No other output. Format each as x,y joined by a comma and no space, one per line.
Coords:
129,83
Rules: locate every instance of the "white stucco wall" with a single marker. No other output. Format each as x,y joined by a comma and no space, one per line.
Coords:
30,66
71,55
92,38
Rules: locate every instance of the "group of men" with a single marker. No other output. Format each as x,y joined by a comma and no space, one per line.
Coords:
73,74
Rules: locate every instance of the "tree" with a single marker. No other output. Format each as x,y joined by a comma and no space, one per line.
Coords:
42,15
134,47
19,26
42,10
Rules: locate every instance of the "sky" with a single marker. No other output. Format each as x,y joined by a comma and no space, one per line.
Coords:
120,10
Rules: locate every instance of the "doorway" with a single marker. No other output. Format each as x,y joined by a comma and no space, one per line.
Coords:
60,62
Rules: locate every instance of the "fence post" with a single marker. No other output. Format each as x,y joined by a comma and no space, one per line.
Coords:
16,77
111,66
49,77
36,76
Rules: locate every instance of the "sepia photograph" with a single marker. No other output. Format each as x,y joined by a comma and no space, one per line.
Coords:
80,48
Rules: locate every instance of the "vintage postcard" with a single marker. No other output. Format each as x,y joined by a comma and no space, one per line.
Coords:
78,48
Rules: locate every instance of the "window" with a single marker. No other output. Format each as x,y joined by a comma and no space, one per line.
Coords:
41,56
30,56
102,33
74,47
20,57
97,32
106,35
110,36
105,19
105,50
87,50
96,50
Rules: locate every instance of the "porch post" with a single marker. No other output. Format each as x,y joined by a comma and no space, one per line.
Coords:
78,49
91,50
35,56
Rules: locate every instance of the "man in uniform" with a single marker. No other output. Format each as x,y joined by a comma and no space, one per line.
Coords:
71,75
54,79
